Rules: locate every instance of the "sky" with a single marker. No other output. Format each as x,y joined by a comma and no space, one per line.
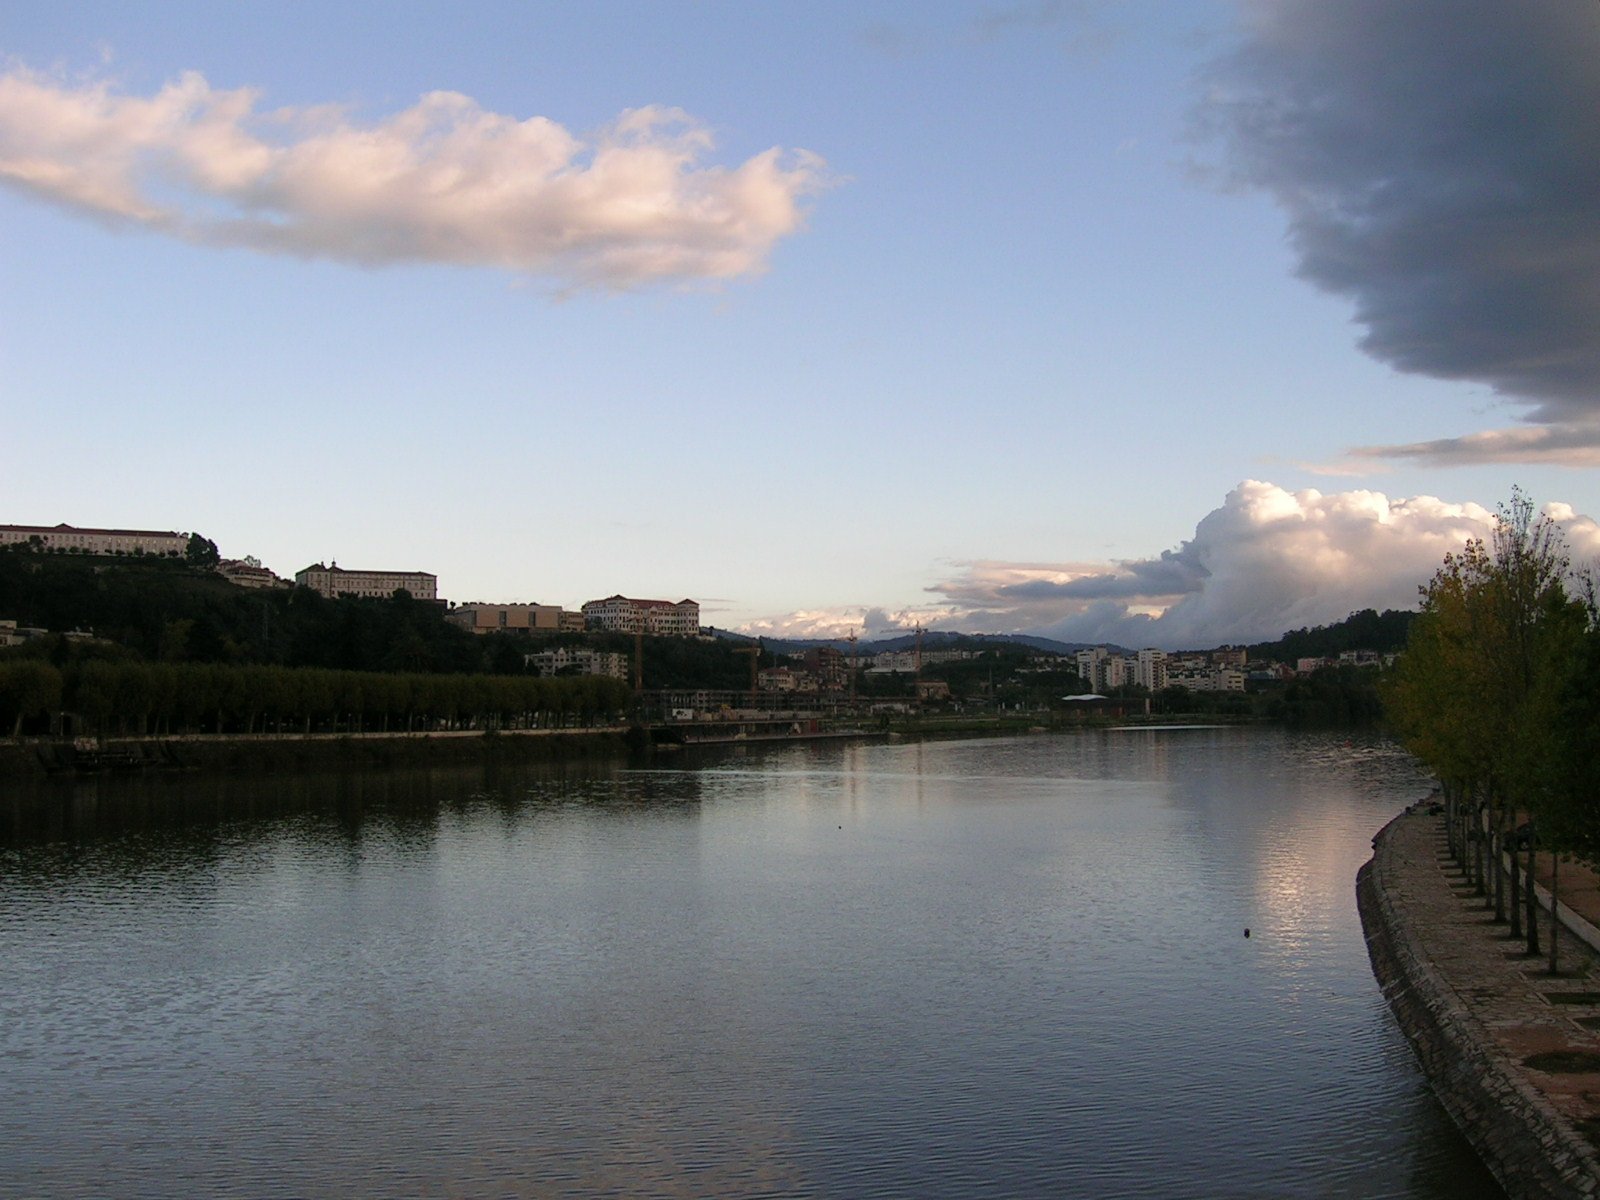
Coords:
1159,322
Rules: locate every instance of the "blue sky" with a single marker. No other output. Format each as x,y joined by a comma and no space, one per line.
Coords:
1024,324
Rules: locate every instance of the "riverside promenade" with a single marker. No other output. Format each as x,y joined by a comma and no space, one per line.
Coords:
1512,1052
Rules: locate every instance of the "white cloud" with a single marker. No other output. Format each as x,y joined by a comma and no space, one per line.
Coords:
1265,562
866,623
444,181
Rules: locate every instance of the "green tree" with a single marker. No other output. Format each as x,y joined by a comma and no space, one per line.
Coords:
1472,694
29,688
201,552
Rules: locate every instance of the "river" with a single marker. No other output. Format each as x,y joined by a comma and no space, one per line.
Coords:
1004,968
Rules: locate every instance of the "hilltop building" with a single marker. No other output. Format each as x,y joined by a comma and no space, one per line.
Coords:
664,618
1230,656
478,617
332,581
249,573
166,544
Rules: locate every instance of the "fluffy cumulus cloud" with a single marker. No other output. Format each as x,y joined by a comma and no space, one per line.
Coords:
444,181
1265,562
1439,163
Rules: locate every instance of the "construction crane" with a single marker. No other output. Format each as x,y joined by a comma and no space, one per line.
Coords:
755,665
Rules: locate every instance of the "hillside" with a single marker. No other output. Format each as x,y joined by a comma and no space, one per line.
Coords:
164,610
932,639
1368,629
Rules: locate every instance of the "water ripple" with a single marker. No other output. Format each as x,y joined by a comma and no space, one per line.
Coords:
981,969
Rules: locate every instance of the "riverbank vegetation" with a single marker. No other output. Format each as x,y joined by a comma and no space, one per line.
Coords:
173,611
144,646
1496,693
131,698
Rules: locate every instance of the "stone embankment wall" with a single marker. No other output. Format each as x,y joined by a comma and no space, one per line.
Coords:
1528,1145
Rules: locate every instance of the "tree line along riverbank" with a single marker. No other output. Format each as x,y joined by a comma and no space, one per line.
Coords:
143,699
1498,692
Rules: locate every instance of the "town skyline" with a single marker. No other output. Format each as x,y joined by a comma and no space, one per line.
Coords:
1028,321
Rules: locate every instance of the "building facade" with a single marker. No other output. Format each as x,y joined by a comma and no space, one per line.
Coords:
249,573
571,661
1092,667
70,538
1151,670
663,618
332,581
478,617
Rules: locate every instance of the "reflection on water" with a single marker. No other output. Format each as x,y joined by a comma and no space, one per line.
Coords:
994,968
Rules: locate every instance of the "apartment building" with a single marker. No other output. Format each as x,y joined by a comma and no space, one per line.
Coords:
1092,667
571,661
1104,671
1150,669
886,661
249,573
334,580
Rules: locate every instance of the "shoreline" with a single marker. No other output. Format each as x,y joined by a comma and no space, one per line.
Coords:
38,758
1506,1047
272,753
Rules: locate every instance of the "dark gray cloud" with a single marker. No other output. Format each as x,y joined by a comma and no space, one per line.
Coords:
1174,573
1568,445
1439,162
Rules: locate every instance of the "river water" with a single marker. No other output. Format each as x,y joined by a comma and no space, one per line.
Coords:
1004,968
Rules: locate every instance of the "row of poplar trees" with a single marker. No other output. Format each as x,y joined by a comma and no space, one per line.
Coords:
1498,692
142,698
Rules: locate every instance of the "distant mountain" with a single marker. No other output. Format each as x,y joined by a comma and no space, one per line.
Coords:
932,639
1364,630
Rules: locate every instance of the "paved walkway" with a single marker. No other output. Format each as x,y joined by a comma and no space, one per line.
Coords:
1542,1031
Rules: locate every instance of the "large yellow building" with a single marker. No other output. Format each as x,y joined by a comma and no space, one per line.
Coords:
334,581
166,544
478,617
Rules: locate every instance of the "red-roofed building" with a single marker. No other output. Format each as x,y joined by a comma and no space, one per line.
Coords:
664,618
162,544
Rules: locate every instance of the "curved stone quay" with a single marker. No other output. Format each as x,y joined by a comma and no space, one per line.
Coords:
1512,1052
